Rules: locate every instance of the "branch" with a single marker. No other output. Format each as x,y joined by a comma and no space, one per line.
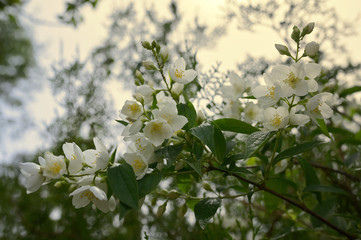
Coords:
352,177
289,200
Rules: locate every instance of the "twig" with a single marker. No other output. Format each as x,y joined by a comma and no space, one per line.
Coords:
289,200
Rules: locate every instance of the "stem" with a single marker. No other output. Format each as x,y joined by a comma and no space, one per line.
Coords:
274,152
219,197
289,200
160,66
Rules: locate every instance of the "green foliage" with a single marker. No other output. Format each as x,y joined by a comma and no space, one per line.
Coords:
124,185
205,209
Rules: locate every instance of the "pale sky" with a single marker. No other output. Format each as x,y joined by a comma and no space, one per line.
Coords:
52,36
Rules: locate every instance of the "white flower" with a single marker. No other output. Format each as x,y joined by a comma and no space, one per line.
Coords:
163,100
138,164
179,74
267,95
75,156
133,127
97,159
170,113
86,194
275,119
297,79
146,92
238,86
157,131
53,166
33,177
177,88
132,109
318,107
252,112
140,144
311,49
298,119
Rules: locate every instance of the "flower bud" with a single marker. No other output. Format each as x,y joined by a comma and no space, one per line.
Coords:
200,117
58,184
207,187
296,34
178,166
282,49
149,65
311,49
164,53
177,88
146,45
308,29
139,76
161,209
182,210
173,195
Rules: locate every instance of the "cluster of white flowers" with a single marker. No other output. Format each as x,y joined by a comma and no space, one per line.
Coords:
151,119
232,93
148,126
77,168
289,84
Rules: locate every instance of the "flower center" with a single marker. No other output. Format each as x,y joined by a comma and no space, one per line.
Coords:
88,194
179,73
317,109
271,92
277,119
156,127
55,168
291,80
138,164
134,108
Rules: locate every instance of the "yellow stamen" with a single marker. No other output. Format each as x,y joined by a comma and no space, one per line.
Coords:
138,164
179,73
55,168
156,127
291,80
88,194
277,119
271,92
134,108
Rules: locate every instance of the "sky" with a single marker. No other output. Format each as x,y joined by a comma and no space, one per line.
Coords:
55,41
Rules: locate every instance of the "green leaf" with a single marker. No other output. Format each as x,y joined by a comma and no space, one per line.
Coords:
170,153
205,133
205,209
234,125
219,143
309,172
349,91
211,136
122,122
191,203
123,209
184,182
323,209
187,110
293,151
255,141
322,125
280,185
322,188
196,165
148,183
112,157
124,184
